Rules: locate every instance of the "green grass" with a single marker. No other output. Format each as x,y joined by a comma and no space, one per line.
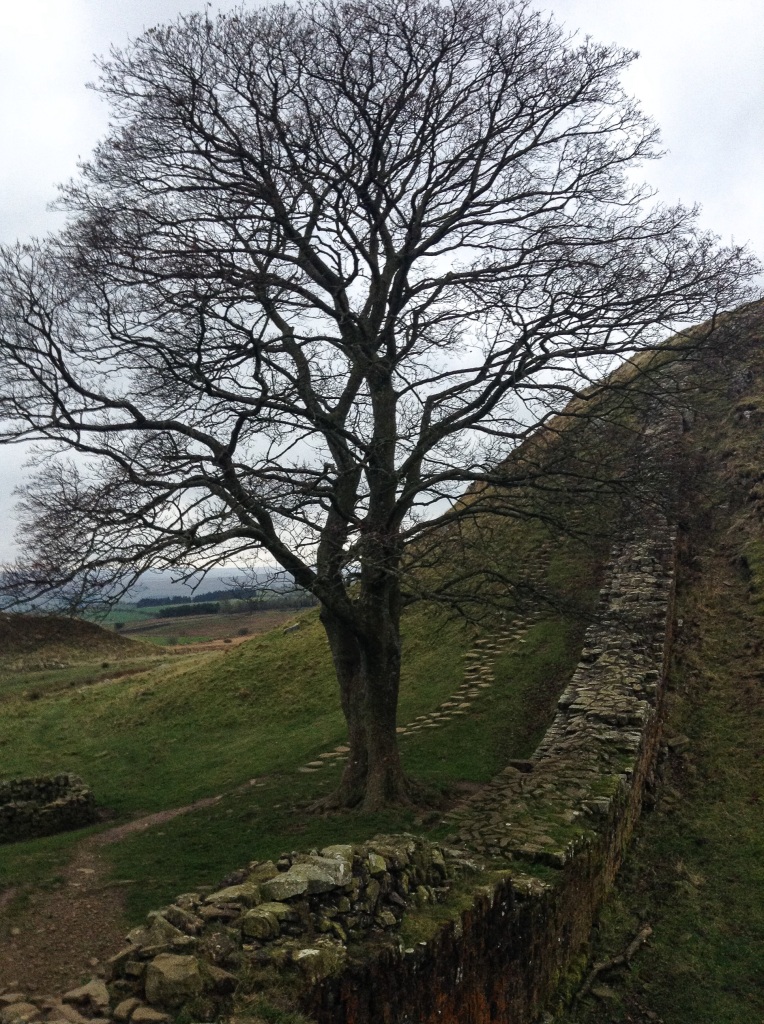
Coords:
509,719
266,820
33,684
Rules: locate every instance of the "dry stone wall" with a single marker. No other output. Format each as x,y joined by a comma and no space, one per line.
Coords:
43,806
553,829
535,853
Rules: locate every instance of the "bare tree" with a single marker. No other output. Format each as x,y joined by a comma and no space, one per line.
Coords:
323,273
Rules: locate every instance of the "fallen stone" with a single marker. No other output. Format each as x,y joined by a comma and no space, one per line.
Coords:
183,919
12,997
262,871
147,1015
260,924
376,864
172,979
215,913
123,1010
115,963
20,1013
247,894
322,874
284,887
94,996
320,962
340,851
281,911
70,1014
221,981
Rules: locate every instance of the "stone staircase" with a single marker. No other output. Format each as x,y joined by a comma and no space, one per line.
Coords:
479,676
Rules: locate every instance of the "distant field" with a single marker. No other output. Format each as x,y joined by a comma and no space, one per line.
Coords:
190,629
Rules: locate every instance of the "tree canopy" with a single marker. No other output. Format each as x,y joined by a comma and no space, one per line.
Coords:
329,265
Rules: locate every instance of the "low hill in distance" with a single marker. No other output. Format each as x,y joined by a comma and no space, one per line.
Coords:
56,638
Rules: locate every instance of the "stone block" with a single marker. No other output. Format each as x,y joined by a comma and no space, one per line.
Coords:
260,924
93,996
172,979
20,1013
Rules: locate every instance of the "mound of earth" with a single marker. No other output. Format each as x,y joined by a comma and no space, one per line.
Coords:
56,636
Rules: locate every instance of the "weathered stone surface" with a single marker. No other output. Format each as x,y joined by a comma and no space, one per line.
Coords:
184,920
148,1015
339,851
247,894
94,996
114,964
260,924
262,872
19,1013
321,961
69,1013
376,864
322,874
284,887
281,911
172,979
124,1009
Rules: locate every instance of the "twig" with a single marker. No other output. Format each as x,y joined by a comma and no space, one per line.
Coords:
623,960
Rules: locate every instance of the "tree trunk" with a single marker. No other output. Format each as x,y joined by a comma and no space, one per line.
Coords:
368,664
346,656
381,668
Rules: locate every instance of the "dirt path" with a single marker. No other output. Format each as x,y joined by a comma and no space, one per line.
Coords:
64,933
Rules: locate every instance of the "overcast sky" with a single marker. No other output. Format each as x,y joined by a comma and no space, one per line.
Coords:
700,74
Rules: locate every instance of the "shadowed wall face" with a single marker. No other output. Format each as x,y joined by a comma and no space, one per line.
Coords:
44,806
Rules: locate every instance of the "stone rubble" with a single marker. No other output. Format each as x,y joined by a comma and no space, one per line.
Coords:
298,914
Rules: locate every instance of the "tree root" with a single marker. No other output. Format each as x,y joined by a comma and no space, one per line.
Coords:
622,960
413,795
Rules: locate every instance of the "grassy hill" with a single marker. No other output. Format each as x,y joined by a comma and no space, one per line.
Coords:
152,730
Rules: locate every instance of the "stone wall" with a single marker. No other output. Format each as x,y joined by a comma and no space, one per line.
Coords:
509,898
44,806
557,825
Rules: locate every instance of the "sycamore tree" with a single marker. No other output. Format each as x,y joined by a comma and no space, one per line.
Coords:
316,281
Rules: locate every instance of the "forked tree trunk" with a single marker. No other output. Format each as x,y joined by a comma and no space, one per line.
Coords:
368,671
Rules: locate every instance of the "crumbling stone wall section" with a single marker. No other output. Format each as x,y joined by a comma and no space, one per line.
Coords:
299,915
43,806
